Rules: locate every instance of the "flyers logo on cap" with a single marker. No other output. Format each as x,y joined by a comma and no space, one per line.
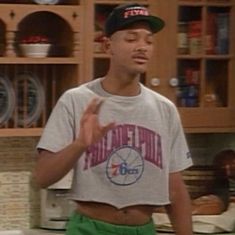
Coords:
135,11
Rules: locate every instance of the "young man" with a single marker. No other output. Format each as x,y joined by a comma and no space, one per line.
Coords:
124,141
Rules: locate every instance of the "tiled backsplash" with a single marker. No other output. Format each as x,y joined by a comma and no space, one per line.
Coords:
17,157
19,197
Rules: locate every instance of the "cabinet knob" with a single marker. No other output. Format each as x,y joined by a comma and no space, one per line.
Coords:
155,82
174,82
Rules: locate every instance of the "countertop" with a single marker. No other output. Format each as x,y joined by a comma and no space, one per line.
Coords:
52,232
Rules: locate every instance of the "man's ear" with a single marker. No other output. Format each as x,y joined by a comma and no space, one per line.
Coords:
107,45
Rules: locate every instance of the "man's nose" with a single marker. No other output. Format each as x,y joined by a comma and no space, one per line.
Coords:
141,47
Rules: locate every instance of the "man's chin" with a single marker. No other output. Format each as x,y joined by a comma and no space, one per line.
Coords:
141,69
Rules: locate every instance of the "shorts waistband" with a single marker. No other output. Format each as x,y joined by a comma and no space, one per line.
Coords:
147,228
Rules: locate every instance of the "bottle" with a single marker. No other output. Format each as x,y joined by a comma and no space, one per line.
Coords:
222,33
182,38
195,34
210,42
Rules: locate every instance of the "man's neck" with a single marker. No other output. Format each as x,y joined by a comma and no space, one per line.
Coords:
122,86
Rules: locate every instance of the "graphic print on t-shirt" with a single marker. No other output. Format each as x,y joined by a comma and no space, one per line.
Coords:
125,166
125,149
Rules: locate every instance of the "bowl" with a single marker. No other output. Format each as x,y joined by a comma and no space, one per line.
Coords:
50,2
37,50
11,232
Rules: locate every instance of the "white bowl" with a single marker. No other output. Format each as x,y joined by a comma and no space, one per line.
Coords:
11,232
51,2
38,50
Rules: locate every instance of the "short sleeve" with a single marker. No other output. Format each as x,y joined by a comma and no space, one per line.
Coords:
59,130
180,157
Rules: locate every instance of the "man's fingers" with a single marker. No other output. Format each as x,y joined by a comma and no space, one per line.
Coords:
94,106
98,105
108,127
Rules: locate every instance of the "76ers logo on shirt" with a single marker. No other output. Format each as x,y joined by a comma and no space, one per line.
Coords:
125,166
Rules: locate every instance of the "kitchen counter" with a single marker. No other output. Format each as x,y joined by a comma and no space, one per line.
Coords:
44,232
52,232
56,232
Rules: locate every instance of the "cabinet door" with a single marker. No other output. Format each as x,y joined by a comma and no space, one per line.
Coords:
194,62
163,61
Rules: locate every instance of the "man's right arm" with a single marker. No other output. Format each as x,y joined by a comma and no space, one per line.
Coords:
52,167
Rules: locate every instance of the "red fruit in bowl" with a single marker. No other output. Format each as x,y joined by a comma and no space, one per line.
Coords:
35,39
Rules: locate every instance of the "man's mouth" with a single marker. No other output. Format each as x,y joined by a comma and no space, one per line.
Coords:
140,59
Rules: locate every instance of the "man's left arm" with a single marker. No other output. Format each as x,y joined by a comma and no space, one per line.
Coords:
179,211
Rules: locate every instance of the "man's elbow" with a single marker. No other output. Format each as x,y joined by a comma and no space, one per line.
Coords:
40,179
39,174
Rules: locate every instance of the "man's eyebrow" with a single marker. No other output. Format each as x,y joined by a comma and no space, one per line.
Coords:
132,31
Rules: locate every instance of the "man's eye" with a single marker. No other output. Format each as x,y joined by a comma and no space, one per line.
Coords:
149,40
130,39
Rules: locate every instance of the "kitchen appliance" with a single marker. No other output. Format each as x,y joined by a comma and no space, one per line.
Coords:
55,205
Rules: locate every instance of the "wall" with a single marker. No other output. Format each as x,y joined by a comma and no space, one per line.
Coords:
20,203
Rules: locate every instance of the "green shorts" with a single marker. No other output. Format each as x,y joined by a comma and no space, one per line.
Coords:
83,225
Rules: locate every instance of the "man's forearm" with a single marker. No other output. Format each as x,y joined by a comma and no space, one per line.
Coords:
180,217
179,211
51,167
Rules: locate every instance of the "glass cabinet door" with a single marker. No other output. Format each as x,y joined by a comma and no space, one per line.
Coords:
194,62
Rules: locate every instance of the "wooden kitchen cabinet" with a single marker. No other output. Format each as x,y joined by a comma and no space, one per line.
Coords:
187,67
194,62
192,65
30,86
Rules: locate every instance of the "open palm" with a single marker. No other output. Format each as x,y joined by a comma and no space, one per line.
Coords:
91,131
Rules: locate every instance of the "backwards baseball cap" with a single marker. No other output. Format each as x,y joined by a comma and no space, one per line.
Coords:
127,14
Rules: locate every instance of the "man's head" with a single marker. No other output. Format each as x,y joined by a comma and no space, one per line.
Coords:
129,40
126,15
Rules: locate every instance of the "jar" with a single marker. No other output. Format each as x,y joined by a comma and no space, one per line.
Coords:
195,34
183,45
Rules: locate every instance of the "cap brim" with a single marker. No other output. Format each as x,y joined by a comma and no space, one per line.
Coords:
156,24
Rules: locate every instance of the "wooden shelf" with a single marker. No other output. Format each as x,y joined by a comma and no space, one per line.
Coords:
208,118
37,7
197,57
47,60
218,3
113,2
209,130
101,55
14,132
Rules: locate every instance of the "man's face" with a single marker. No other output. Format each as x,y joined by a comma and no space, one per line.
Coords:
131,48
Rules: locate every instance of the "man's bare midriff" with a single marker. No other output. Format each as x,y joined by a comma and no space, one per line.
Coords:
133,215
